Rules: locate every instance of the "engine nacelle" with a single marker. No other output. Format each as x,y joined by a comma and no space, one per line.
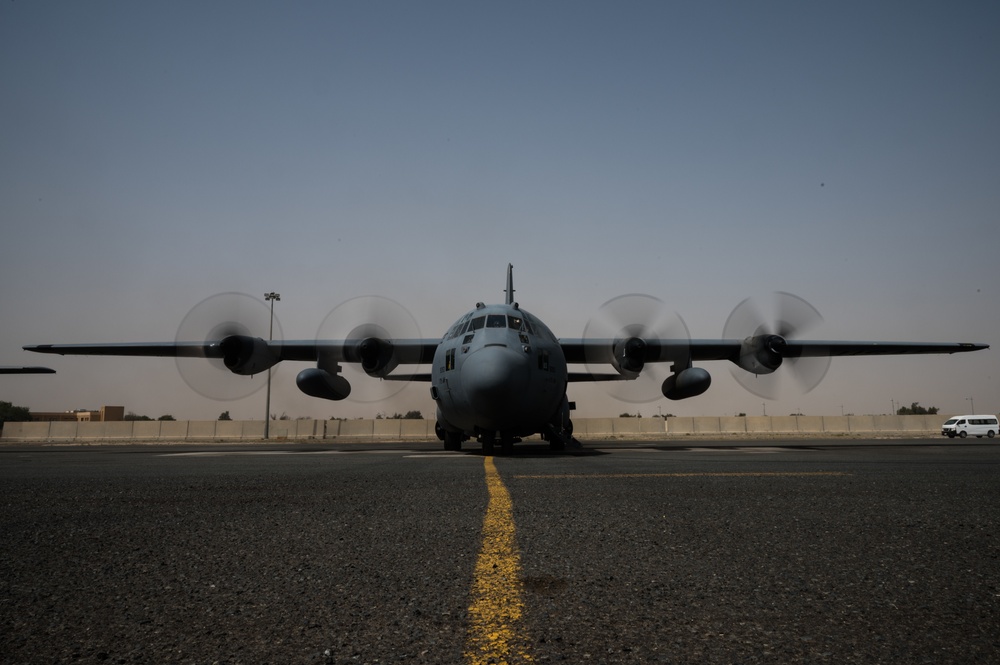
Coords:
690,382
247,355
630,356
376,356
762,354
320,383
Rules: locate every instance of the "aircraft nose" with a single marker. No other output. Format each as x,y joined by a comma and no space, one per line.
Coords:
495,377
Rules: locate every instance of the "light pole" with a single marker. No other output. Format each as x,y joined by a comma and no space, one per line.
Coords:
272,296
972,402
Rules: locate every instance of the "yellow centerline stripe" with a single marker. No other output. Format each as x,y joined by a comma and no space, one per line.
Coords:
718,474
494,633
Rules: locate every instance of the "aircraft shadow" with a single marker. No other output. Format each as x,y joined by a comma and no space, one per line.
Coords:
533,451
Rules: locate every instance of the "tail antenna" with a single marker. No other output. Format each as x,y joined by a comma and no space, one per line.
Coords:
510,283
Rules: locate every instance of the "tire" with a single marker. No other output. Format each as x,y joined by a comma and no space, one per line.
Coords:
963,434
951,435
452,441
990,434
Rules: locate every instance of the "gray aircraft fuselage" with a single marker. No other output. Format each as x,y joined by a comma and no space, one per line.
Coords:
499,371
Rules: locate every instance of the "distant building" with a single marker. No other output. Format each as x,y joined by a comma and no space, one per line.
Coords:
105,414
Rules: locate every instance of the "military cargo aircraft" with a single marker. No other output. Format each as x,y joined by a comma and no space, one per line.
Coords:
500,374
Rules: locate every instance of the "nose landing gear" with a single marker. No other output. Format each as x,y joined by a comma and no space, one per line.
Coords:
507,441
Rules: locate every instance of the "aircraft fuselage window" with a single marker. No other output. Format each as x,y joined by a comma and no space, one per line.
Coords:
496,321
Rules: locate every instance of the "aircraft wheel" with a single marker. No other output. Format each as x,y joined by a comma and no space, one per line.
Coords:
452,440
963,434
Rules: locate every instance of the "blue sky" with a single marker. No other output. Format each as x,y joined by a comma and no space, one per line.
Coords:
155,154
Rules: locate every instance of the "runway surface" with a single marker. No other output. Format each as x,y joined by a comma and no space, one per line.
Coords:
644,552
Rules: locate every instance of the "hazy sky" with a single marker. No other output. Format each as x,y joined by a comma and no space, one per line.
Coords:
154,154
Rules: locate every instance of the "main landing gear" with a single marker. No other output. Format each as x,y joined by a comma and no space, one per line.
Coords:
561,438
452,440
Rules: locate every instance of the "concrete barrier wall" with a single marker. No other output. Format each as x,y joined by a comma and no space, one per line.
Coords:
382,429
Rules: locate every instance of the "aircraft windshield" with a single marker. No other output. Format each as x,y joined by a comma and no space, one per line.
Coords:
517,323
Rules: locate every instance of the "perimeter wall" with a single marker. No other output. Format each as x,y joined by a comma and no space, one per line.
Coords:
378,430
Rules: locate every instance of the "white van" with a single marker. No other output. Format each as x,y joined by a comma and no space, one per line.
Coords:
977,426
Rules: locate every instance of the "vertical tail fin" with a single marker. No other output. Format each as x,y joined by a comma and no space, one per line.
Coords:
510,283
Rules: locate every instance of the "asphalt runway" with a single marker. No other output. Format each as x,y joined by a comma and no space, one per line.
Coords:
678,552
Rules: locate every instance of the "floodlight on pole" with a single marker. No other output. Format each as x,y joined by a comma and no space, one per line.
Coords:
272,296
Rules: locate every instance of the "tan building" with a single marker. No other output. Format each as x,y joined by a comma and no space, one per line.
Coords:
106,414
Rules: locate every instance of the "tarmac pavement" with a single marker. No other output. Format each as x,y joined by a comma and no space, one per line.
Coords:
626,552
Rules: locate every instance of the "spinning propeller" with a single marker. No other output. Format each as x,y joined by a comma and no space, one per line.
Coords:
631,321
786,317
380,319
212,320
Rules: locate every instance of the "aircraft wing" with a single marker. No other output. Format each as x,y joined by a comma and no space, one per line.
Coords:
595,351
166,349
248,355
814,349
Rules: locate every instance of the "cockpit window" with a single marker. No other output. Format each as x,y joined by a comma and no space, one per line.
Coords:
496,321
477,323
517,323
536,327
